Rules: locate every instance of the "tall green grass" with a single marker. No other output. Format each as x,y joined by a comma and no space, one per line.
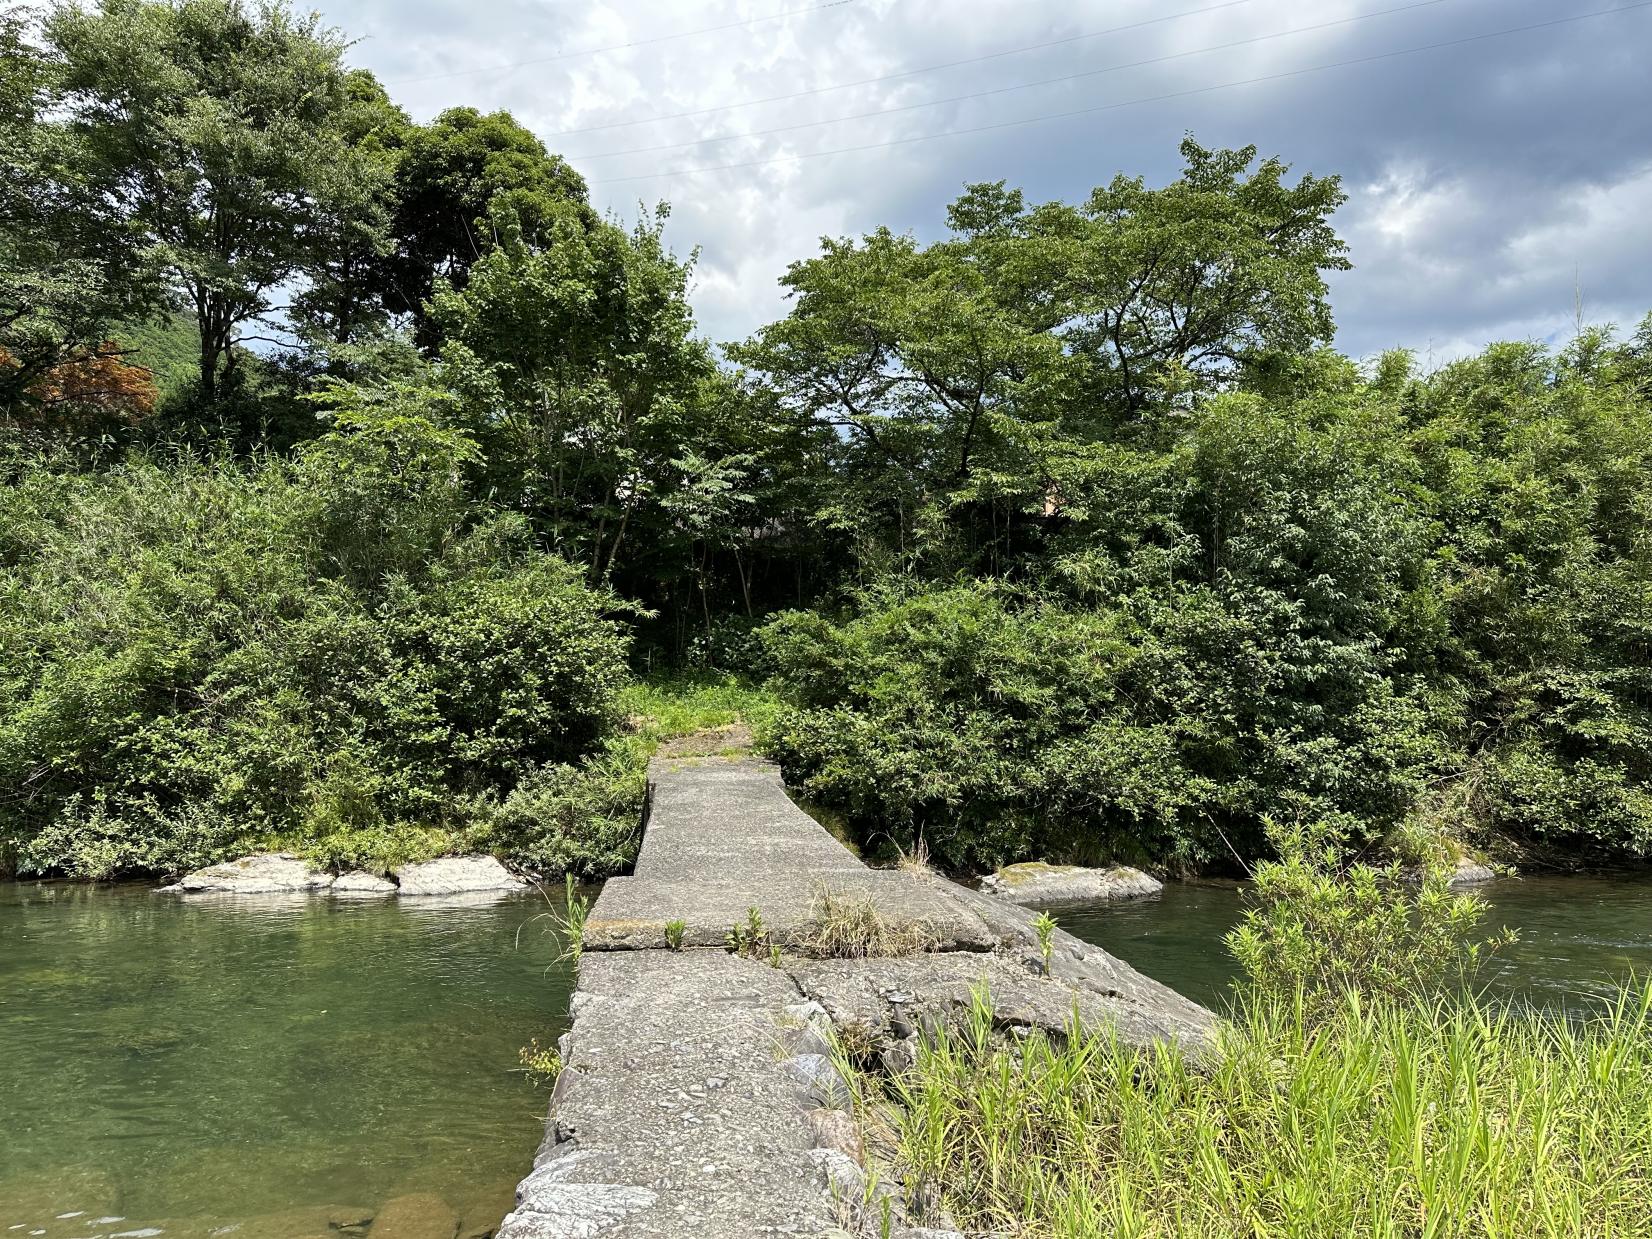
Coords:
664,707
1393,1119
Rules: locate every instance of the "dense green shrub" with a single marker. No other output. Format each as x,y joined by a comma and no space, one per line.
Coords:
999,727
1320,927
198,657
989,726
1365,601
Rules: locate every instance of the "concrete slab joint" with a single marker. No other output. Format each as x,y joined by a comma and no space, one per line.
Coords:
700,1094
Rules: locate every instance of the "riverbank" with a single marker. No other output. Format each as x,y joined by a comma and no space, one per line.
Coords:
1395,1118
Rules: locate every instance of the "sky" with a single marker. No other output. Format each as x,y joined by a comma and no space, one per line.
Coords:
1497,154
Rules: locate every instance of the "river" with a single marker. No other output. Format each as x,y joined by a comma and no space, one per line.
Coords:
272,1065
1580,938
281,1066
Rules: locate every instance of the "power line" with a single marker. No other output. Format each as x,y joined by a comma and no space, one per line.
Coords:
1124,103
620,47
1003,90
904,73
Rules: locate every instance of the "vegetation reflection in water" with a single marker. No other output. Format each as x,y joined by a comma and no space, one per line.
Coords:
1580,938
265,1064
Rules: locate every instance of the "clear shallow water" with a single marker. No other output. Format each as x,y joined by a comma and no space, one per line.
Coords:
281,1066
1580,938
271,1065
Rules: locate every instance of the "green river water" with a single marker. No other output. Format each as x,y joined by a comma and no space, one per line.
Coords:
277,1066
265,1064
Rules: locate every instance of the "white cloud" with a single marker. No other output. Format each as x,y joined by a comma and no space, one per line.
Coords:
1484,177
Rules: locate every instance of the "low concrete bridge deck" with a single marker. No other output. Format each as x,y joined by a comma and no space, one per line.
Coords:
697,1096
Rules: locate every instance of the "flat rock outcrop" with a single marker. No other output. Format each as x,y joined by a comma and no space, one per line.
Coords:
469,878
266,874
456,875
1035,884
699,1095
360,882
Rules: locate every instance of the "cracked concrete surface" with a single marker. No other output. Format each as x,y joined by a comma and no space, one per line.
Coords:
695,1099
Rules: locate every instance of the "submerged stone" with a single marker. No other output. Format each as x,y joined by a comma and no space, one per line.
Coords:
418,1216
1035,884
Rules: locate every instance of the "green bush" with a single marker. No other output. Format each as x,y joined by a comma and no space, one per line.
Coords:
336,651
1320,928
584,819
1001,726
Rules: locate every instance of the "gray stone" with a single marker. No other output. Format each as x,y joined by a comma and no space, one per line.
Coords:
360,882
1470,872
456,875
841,1175
264,874
822,1083
836,1129
553,1210
1035,884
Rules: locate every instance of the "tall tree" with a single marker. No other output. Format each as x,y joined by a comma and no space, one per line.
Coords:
965,374
211,125
572,353
355,207
448,175
68,266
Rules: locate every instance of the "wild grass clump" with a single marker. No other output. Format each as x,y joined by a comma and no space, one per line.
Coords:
845,926
666,707
1393,1118
567,923
1320,925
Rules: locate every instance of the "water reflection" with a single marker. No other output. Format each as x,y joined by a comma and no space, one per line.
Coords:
274,1063
1581,938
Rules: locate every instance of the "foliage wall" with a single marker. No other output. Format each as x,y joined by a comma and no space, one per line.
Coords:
348,456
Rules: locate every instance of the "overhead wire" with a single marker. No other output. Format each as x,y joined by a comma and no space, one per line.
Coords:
1124,103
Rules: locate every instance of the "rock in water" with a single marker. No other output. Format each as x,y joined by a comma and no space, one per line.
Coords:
269,873
1470,872
360,882
418,1216
457,875
1035,884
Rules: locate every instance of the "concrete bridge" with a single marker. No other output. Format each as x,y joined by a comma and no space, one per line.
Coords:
697,1096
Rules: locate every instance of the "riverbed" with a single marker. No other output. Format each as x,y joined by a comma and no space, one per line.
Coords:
278,1065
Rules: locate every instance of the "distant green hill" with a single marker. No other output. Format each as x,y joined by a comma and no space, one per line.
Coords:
169,346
